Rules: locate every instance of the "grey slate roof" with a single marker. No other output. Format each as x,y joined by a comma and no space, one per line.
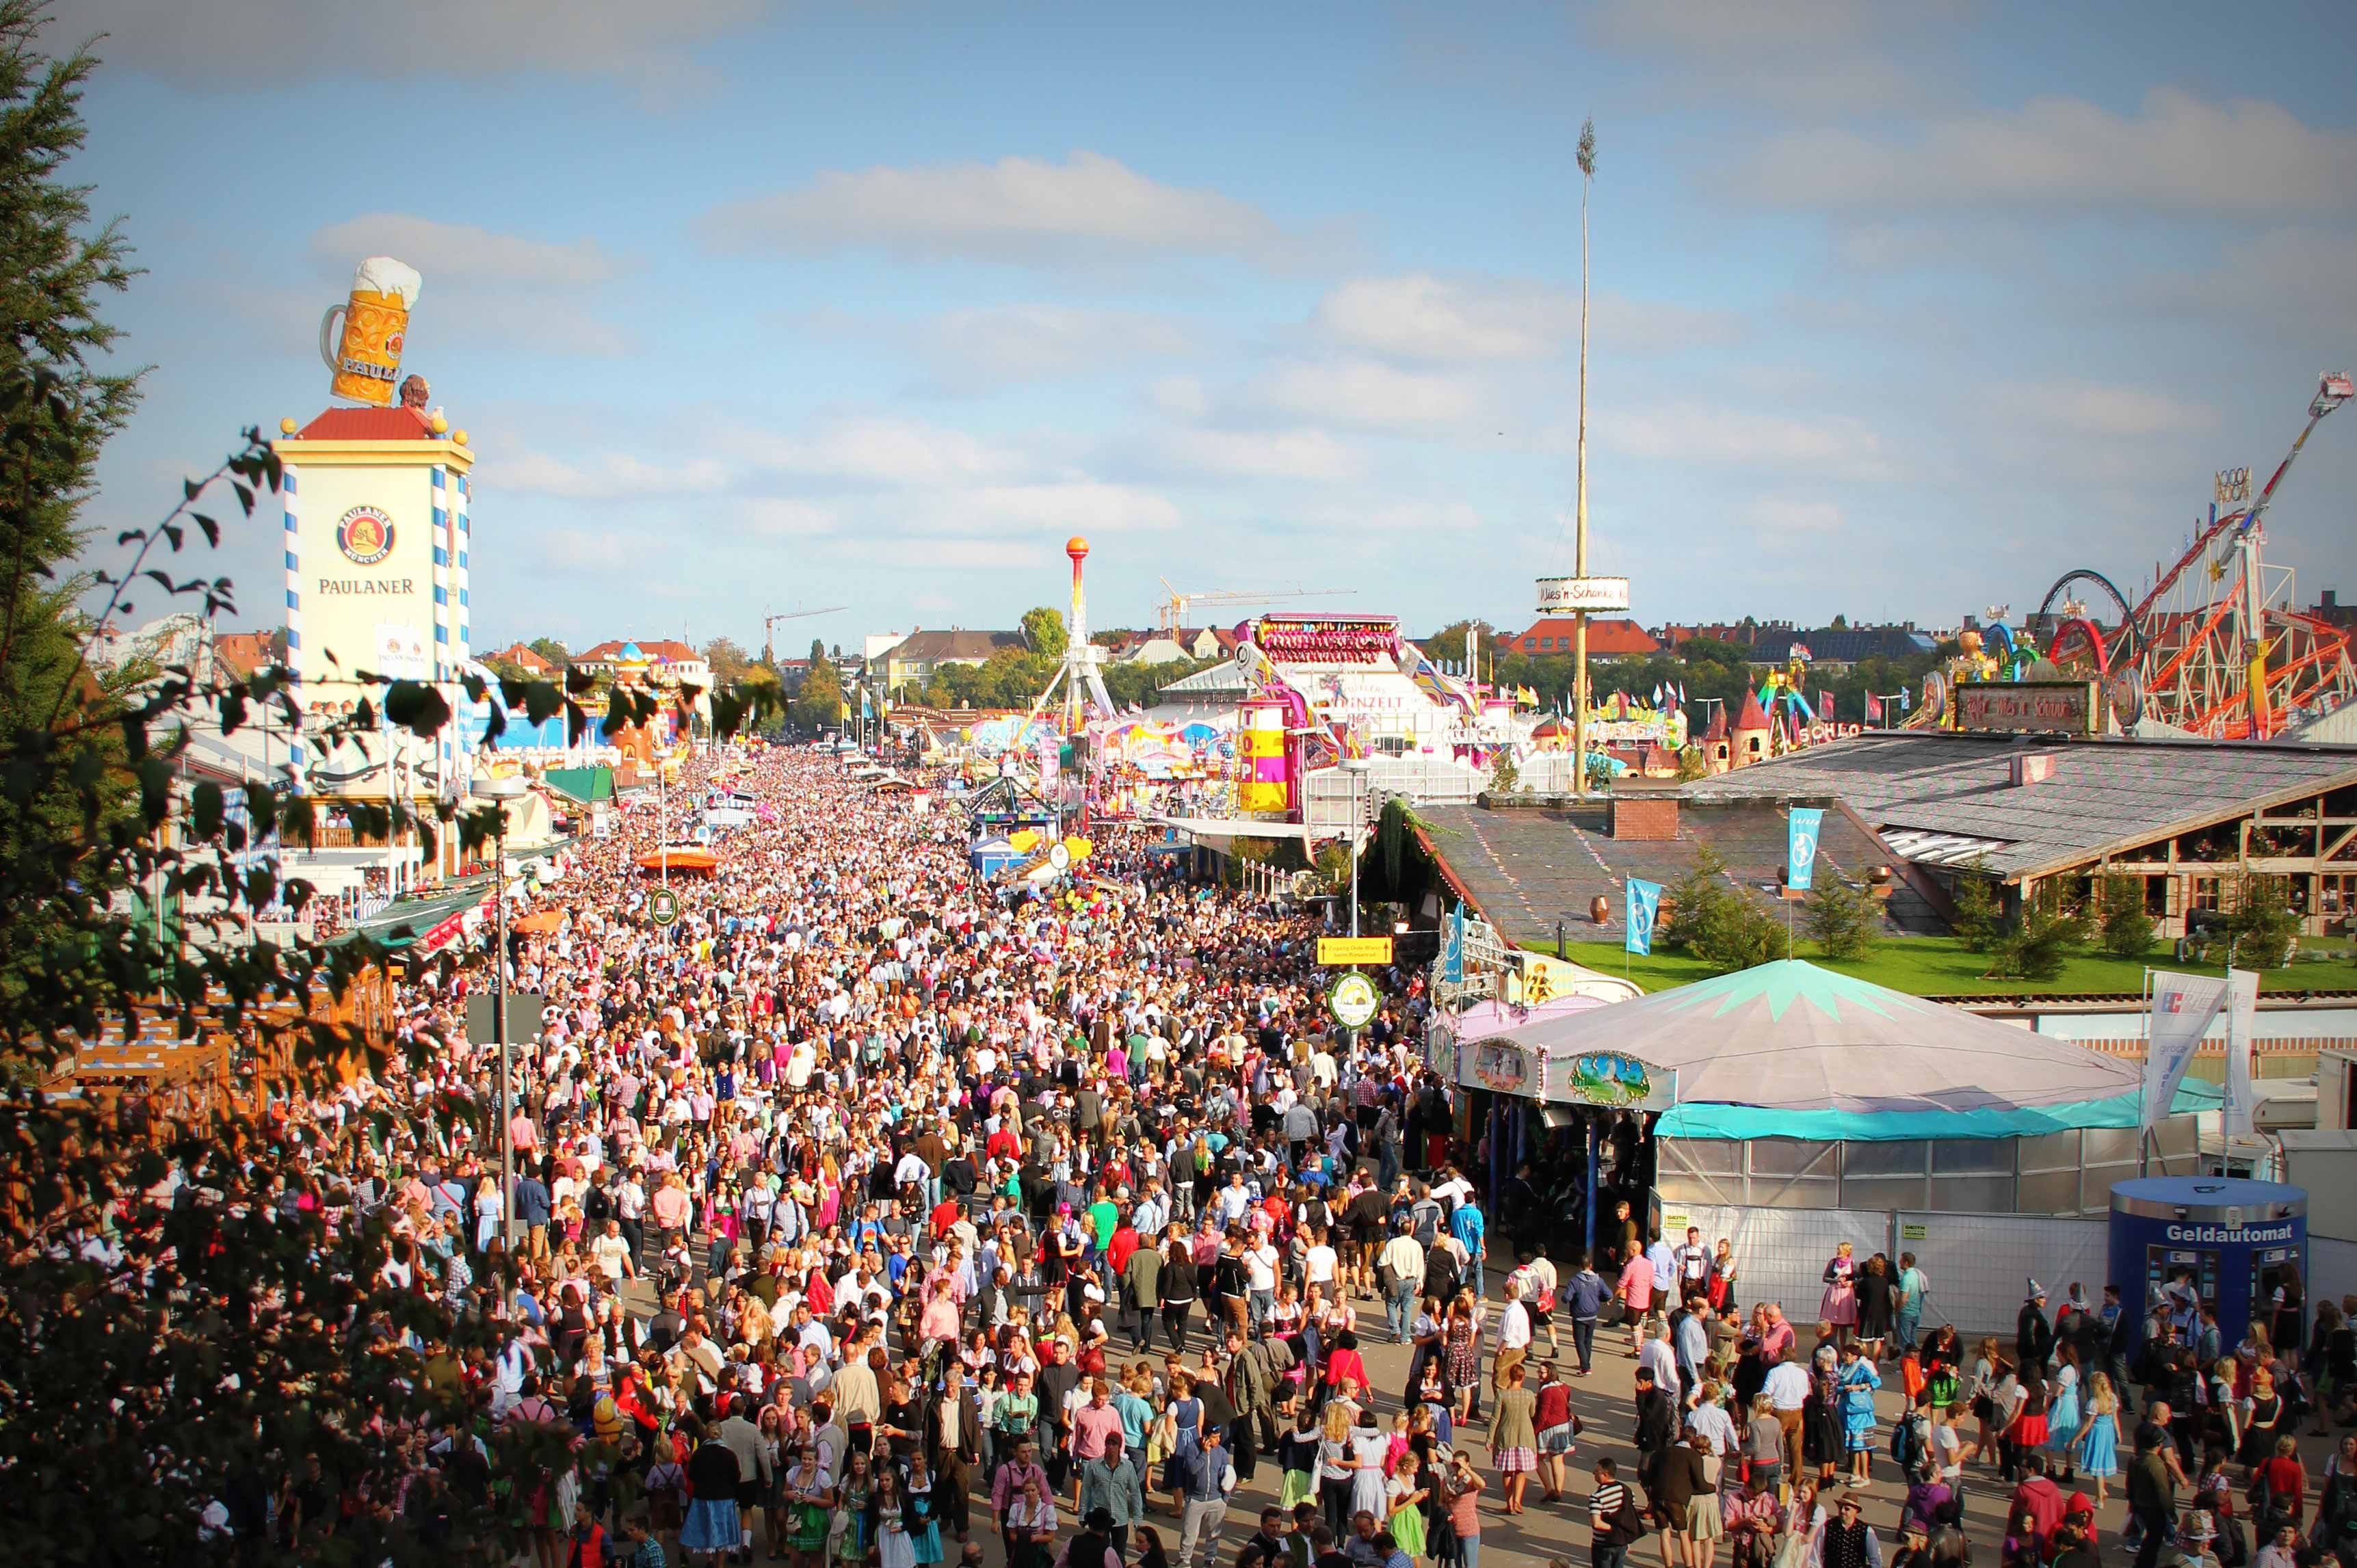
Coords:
2105,796
1529,867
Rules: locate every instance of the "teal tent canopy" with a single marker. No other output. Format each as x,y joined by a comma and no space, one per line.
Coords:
1791,1050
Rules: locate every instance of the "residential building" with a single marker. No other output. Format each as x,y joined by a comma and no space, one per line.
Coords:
1608,638
1834,649
2329,609
522,656
1737,633
1186,645
910,663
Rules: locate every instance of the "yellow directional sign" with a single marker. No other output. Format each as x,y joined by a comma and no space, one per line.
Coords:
1335,950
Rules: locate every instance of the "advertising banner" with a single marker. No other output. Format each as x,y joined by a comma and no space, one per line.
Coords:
2184,1008
1644,904
1801,846
2242,1019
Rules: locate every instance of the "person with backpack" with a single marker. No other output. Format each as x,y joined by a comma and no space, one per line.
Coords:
1615,1520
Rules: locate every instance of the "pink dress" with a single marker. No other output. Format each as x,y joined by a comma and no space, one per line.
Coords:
1840,1304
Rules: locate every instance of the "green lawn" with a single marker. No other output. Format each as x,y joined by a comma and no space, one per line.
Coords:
1943,966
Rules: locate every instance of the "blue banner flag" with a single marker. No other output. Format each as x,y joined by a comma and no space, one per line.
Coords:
1645,904
1800,845
1452,947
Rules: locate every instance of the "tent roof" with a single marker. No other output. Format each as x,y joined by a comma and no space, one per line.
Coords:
585,785
1788,1050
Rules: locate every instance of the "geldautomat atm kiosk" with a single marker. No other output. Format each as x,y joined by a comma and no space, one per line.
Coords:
2221,1240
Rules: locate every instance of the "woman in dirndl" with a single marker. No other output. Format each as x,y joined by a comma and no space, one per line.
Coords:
2063,1403
924,1522
1407,1497
811,1502
1839,1307
711,1525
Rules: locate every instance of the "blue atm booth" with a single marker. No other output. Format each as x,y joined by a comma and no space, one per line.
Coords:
2234,1237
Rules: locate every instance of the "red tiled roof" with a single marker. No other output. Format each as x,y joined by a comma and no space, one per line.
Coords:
1611,639
520,655
368,424
246,651
1753,716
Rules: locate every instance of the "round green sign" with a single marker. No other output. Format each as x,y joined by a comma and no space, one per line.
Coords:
1353,1001
663,905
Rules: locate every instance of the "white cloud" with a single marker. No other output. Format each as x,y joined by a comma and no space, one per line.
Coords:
1016,210
1182,397
1810,56
1836,446
462,251
891,452
1430,517
1260,453
483,286
2103,410
777,517
1786,515
998,344
1419,315
1073,505
239,43
612,475
1367,393
2179,154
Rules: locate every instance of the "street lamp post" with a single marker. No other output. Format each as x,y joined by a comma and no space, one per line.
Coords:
1356,766
503,793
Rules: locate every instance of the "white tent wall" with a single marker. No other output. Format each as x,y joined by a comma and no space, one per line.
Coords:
1780,1253
1978,1264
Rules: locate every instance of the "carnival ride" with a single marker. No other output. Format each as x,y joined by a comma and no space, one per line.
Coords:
2216,648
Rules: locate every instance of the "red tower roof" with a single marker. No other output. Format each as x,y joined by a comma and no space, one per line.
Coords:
1753,716
368,424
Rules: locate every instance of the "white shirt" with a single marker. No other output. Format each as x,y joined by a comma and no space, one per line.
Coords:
1787,1385
1514,1327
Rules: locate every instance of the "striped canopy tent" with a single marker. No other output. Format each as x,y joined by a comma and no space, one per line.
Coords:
1791,1050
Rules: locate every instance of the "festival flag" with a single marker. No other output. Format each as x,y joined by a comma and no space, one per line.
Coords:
1452,947
1905,702
2184,1008
1824,705
2242,1019
1873,708
1644,904
1657,693
1801,846
1682,693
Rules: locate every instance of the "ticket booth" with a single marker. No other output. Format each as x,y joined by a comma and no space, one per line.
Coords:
2227,1241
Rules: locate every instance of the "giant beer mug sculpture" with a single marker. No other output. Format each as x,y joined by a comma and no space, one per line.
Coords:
366,358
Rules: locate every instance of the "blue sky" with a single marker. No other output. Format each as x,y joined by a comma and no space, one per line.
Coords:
1898,311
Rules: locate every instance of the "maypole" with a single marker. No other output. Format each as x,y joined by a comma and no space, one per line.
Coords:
1579,523
1580,595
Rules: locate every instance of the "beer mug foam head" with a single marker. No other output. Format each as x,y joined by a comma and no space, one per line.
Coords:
383,276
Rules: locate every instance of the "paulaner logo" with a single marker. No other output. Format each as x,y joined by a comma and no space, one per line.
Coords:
2248,1233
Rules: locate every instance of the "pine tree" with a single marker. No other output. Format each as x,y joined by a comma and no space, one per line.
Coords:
1974,898
56,410
1845,921
2127,929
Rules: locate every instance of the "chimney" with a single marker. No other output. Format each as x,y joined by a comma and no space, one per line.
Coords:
2332,600
2034,767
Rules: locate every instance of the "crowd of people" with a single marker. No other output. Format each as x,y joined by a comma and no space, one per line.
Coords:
869,1215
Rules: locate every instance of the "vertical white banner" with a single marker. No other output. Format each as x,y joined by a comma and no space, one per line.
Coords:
2242,1029
2184,1008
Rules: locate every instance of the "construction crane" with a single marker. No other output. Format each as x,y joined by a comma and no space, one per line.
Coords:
1172,613
770,629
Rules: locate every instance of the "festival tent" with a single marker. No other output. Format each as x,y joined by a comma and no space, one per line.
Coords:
1791,1050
